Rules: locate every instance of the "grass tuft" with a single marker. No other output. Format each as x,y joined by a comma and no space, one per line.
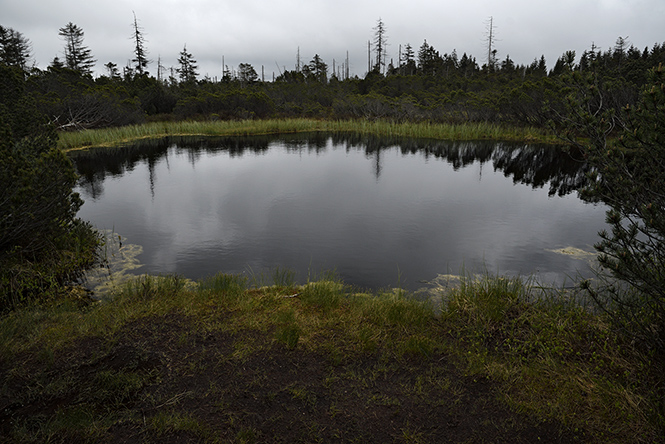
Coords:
227,286
324,295
288,331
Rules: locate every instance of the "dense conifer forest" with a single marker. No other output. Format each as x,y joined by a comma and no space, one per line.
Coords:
423,85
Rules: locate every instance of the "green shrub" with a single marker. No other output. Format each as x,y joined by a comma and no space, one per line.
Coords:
628,176
42,243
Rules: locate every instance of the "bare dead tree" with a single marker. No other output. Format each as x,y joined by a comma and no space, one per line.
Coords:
491,41
380,45
141,54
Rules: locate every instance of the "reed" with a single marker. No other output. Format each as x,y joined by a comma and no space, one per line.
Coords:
442,131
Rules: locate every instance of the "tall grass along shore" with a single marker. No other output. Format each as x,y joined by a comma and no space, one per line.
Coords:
468,131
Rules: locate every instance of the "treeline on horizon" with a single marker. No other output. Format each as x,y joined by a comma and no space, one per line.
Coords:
423,86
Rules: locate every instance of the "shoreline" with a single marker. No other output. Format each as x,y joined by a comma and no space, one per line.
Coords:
70,141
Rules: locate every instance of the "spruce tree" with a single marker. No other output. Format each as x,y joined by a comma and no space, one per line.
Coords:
187,71
77,56
15,49
318,69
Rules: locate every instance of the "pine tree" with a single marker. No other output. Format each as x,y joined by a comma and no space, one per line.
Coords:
247,74
77,56
187,72
619,54
112,70
318,69
56,64
628,177
407,62
14,48
428,59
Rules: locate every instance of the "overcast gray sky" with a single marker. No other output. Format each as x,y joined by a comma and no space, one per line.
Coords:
268,33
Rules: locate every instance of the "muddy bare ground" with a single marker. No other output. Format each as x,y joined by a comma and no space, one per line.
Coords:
159,380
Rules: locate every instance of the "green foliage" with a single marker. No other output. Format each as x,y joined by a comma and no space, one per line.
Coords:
187,71
19,113
417,346
628,176
232,103
72,101
38,204
408,313
113,137
14,48
247,74
317,70
524,336
46,273
440,87
77,56
485,305
42,244
114,388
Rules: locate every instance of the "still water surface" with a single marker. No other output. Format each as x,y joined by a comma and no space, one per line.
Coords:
377,212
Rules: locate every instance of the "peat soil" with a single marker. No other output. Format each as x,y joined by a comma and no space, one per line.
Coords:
160,380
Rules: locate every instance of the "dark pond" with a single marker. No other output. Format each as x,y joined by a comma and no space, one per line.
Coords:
378,212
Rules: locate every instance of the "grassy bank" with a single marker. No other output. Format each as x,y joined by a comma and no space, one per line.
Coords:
225,361
468,131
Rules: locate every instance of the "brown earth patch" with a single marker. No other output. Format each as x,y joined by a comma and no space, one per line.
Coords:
157,380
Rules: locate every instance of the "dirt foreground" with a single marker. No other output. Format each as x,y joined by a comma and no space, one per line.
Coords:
156,381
